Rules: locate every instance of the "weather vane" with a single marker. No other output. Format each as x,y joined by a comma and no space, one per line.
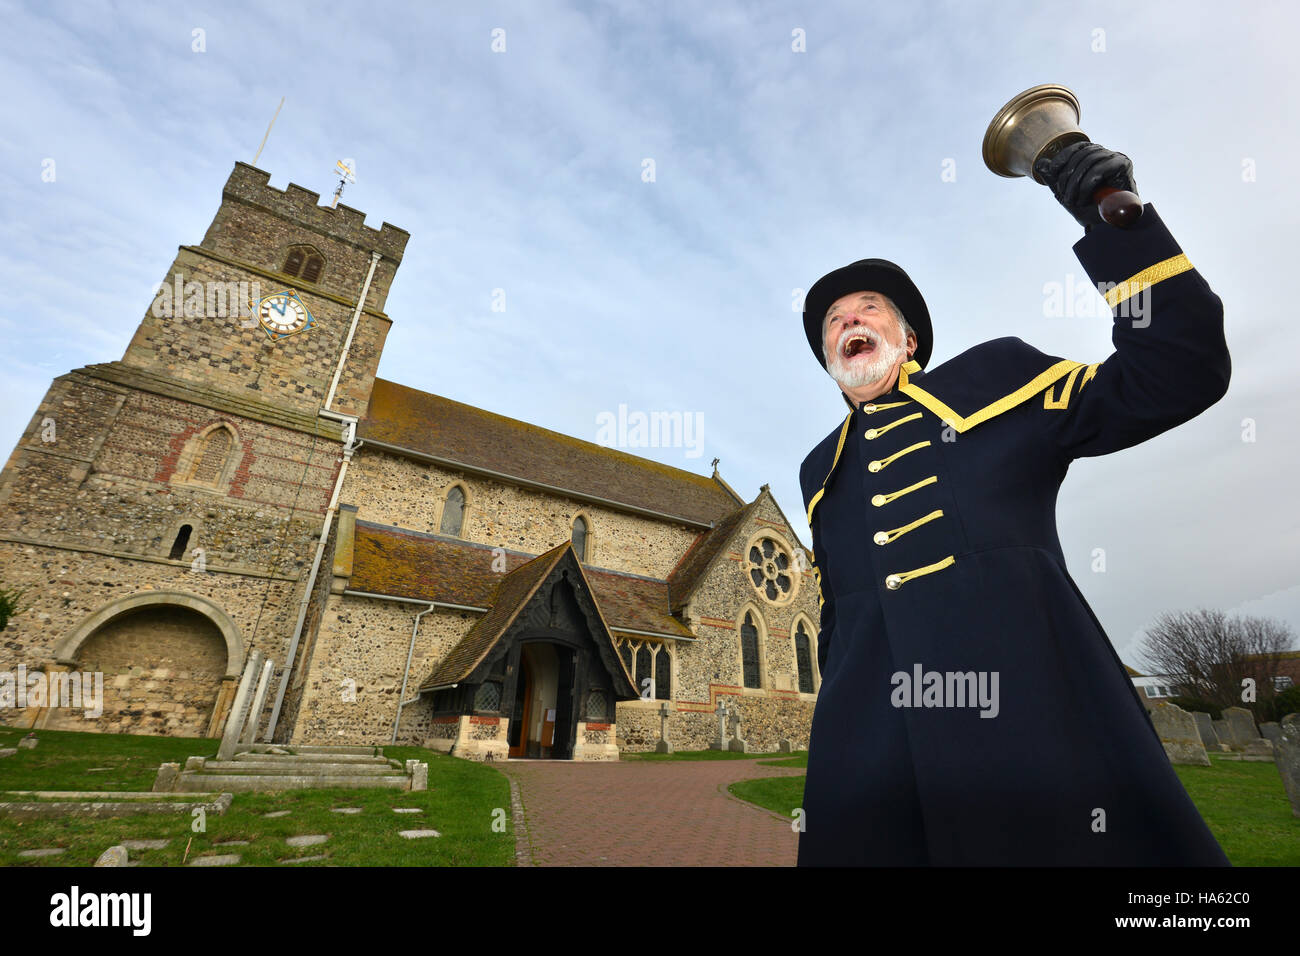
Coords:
346,170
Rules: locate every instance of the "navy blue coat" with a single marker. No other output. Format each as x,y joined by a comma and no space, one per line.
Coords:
933,520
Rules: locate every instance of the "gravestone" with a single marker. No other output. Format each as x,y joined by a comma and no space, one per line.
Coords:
1271,730
418,771
168,775
663,746
1205,727
1179,736
239,709
259,701
1287,749
785,746
113,856
1241,723
1224,734
720,741
737,744
29,742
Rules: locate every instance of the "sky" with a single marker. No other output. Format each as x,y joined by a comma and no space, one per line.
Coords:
649,189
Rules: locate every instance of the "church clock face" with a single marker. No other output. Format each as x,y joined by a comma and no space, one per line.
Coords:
283,314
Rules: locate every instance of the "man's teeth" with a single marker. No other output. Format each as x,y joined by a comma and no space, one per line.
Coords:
859,343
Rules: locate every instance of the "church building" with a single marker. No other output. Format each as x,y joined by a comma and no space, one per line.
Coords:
243,485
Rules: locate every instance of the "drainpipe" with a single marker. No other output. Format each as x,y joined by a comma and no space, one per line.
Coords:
349,448
410,651
356,317
350,445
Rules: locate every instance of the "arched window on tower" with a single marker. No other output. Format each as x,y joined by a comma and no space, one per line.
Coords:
749,651
181,542
803,659
580,537
210,462
453,512
304,262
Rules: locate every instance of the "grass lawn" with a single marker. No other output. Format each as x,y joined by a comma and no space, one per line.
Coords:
459,804
1243,803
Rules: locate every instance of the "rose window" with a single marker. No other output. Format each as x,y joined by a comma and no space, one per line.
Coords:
769,569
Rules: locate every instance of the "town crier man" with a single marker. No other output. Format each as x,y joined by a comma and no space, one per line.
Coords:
972,710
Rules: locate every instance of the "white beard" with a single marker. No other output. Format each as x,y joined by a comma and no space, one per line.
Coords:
855,373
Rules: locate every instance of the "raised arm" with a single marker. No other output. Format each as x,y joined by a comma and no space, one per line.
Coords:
1170,361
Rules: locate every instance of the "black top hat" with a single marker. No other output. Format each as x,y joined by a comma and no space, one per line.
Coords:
868,275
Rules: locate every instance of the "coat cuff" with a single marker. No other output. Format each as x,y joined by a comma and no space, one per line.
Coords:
1112,254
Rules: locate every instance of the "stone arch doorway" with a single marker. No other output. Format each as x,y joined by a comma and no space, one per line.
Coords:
168,660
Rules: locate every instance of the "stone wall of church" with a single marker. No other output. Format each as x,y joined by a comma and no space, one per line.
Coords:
406,493
201,327
350,693
66,587
162,666
765,719
91,503
102,474
711,668
232,352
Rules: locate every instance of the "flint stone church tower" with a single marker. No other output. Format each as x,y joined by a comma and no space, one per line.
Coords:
242,484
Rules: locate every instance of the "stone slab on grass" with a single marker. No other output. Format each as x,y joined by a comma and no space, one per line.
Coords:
146,844
419,834
313,839
223,859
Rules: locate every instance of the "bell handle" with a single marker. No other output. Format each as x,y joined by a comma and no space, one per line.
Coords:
1117,207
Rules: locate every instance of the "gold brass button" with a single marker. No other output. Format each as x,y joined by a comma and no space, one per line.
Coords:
873,466
893,582
871,433
877,500
882,537
868,408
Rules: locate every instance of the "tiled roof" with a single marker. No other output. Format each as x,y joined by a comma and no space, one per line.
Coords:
512,594
437,426
429,567
693,565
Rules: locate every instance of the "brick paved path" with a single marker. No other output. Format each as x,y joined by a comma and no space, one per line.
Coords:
647,813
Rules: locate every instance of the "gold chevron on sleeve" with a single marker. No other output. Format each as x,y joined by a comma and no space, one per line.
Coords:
1149,276
1067,390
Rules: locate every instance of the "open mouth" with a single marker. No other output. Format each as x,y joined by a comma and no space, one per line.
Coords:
858,343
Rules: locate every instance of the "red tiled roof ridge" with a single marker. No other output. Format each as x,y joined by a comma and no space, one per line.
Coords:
390,413
528,555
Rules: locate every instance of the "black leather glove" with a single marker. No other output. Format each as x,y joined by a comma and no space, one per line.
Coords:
1078,170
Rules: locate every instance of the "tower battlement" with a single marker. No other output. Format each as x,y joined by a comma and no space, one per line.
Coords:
251,185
